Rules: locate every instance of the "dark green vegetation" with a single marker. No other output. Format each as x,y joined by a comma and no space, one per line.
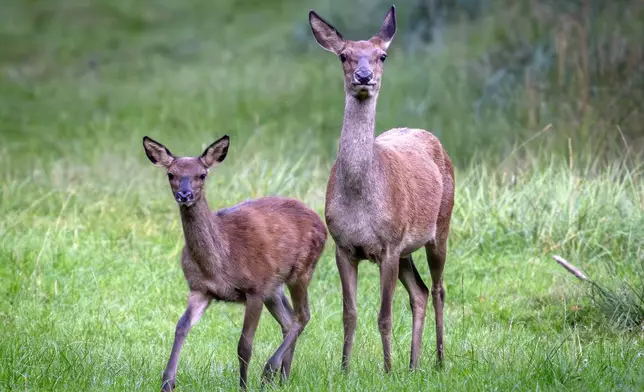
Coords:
90,285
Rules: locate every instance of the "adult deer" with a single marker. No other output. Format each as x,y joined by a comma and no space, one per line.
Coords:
386,197
242,254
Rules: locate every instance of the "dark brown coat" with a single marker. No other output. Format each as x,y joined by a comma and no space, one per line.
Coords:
244,254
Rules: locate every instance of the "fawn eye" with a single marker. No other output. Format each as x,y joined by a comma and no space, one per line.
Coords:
203,176
343,57
383,58
170,176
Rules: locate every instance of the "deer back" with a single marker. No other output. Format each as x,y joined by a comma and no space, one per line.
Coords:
269,241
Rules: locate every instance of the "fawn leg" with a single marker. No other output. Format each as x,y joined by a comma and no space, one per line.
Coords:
288,358
197,304
302,315
418,296
282,311
253,312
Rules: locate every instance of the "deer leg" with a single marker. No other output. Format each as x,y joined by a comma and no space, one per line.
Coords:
436,259
282,311
245,347
388,276
197,304
418,296
302,315
348,270
288,358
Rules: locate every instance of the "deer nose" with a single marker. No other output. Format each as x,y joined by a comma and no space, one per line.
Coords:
184,196
363,75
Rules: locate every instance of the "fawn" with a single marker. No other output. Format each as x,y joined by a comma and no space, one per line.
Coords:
242,254
386,196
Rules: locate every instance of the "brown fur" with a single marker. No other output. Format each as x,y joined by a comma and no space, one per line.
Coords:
244,254
386,196
262,244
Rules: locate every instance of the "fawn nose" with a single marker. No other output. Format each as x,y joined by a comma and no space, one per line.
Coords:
363,76
184,196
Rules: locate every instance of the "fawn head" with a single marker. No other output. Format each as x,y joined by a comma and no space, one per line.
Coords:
186,174
362,61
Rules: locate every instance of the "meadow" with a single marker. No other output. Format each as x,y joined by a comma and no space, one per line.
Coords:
90,237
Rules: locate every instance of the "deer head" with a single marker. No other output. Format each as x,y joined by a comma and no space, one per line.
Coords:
187,175
362,61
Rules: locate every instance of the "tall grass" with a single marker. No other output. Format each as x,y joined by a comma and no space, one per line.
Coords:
90,286
505,69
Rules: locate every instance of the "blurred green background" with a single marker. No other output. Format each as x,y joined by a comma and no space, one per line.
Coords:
538,103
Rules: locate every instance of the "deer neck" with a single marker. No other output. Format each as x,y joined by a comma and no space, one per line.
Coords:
204,240
355,155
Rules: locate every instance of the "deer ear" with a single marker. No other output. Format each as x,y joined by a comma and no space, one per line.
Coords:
326,35
157,153
216,152
388,29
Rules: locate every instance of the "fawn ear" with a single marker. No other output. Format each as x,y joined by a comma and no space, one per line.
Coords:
326,35
388,29
157,153
216,152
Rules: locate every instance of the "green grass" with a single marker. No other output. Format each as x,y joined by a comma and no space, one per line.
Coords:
90,284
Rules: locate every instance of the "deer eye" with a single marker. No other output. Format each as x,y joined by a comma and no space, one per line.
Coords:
383,58
203,176
170,176
343,57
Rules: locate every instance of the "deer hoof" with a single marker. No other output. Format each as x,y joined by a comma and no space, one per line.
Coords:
270,370
167,385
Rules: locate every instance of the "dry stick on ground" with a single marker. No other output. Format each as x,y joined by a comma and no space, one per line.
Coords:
581,276
571,268
612,304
